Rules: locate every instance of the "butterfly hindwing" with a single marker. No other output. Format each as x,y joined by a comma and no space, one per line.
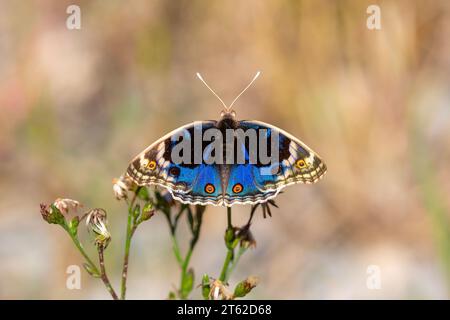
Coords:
243,186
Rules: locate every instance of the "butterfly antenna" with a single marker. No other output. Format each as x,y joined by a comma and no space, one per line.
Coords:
248,86
217,96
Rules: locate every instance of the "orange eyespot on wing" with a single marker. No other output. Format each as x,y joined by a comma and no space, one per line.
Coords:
209,188
237,188
301,164
151,165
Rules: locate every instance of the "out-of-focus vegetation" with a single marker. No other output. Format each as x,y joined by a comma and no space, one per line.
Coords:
77,105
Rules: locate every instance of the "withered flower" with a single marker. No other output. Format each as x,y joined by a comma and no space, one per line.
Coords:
218,291
97,223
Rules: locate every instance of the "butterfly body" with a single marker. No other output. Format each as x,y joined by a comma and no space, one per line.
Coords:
228,172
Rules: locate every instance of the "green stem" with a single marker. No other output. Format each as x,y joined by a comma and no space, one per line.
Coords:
80,248
187,259
130,231
223,275
184,262
236,260
229,257
93,268
176,250
184,269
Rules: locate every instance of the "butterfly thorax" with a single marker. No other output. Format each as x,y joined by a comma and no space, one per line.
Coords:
227,120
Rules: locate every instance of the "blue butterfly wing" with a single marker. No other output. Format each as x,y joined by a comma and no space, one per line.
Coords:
226,184
187,182
261,182
243,186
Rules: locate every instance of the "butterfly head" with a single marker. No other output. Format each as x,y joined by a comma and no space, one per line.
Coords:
230,114
227,111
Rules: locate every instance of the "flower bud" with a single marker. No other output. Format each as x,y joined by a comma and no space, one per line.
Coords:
52,214
244,287
147,211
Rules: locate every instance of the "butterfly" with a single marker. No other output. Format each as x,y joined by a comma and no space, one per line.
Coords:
218,178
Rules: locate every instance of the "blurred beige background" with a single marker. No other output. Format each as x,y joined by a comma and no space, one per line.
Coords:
77,105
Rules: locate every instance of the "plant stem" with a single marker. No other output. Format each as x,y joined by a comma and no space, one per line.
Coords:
80,248
93,268
130,231
229,257
103,273
223,275
176,250
236,260
173,227
184,267
195,230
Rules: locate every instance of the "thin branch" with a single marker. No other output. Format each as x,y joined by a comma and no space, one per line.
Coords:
230,253
229,226
130,231
103,273
80,248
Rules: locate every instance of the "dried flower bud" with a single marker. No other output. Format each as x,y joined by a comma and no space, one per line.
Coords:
51,214
96,223
121,187
244,287
219,291
64,205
